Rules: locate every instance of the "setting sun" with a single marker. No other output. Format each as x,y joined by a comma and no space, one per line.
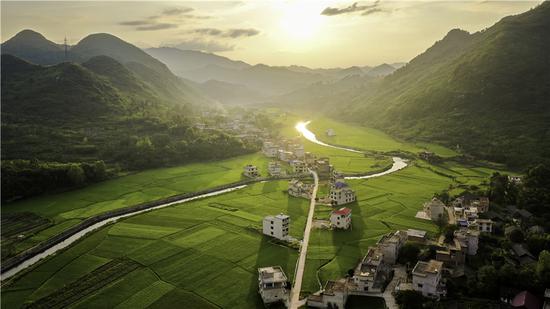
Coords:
301,20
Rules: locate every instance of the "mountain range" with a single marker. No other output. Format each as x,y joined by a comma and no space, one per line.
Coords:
486,92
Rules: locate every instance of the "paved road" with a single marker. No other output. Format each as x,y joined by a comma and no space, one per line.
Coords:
299,273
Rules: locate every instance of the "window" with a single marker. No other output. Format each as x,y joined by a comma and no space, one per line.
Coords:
271,233
420,285
271,227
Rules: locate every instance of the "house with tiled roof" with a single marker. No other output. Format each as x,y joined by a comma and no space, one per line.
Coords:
341,218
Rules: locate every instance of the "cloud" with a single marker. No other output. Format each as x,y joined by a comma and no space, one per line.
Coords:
372,11
155,26
202,45
159,22
135,23
230,33
351,9
176,11
236,33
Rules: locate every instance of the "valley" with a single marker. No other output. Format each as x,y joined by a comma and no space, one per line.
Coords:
193,233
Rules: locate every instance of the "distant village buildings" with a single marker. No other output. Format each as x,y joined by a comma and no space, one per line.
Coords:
390,244
273,284
298,167
334,296
274,169
298,188
251,171
330,132
341,218
276,226
270,149
323,168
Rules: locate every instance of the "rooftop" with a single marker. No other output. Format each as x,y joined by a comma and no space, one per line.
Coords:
342,211
272,274
425,268
416,233
335,286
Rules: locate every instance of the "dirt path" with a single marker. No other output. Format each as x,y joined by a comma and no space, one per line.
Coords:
299,274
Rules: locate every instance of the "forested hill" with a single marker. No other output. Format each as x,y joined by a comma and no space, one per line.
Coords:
486,92
35,48
61,123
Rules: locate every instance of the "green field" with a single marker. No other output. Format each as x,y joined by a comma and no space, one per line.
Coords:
206,252
194,249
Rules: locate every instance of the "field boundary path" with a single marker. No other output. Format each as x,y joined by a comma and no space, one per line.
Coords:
299,274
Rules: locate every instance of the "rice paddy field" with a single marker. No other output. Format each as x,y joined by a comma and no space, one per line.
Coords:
205,253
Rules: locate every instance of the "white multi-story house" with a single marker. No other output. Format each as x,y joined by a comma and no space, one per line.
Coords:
368,276
251,171
341,218
390,244
270,149
297,188
469,240
330,132
298,167
435,209
274,168
276,226
427,279
272,284
341,193
484,225
334,296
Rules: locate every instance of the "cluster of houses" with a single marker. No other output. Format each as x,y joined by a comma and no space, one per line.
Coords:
464,211
236,124
374,271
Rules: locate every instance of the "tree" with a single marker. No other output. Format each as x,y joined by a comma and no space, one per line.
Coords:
76,175
408,254
409,299
543,268
516,236
487,283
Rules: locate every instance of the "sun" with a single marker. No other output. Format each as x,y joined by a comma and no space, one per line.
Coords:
301,20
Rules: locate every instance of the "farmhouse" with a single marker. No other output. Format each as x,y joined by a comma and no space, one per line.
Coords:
341,193
323,167
330,132
416,235
435,209
390,245
298,167
484,225
274,168
341,218
297,188
427,279
451,254
270,149
272,284
515,179
251,171
334,295
276,226
469,240
371,273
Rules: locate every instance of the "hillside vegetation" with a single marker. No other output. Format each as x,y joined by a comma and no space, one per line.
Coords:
486,92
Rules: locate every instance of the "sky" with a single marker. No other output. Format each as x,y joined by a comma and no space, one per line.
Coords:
301,32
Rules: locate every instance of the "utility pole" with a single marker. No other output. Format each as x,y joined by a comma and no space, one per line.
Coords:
65,45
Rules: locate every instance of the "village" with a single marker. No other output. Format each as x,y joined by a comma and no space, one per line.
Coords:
379,273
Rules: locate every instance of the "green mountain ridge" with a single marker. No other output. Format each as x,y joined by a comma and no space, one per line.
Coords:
486,92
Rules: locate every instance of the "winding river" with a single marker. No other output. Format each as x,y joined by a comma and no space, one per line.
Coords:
398,164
